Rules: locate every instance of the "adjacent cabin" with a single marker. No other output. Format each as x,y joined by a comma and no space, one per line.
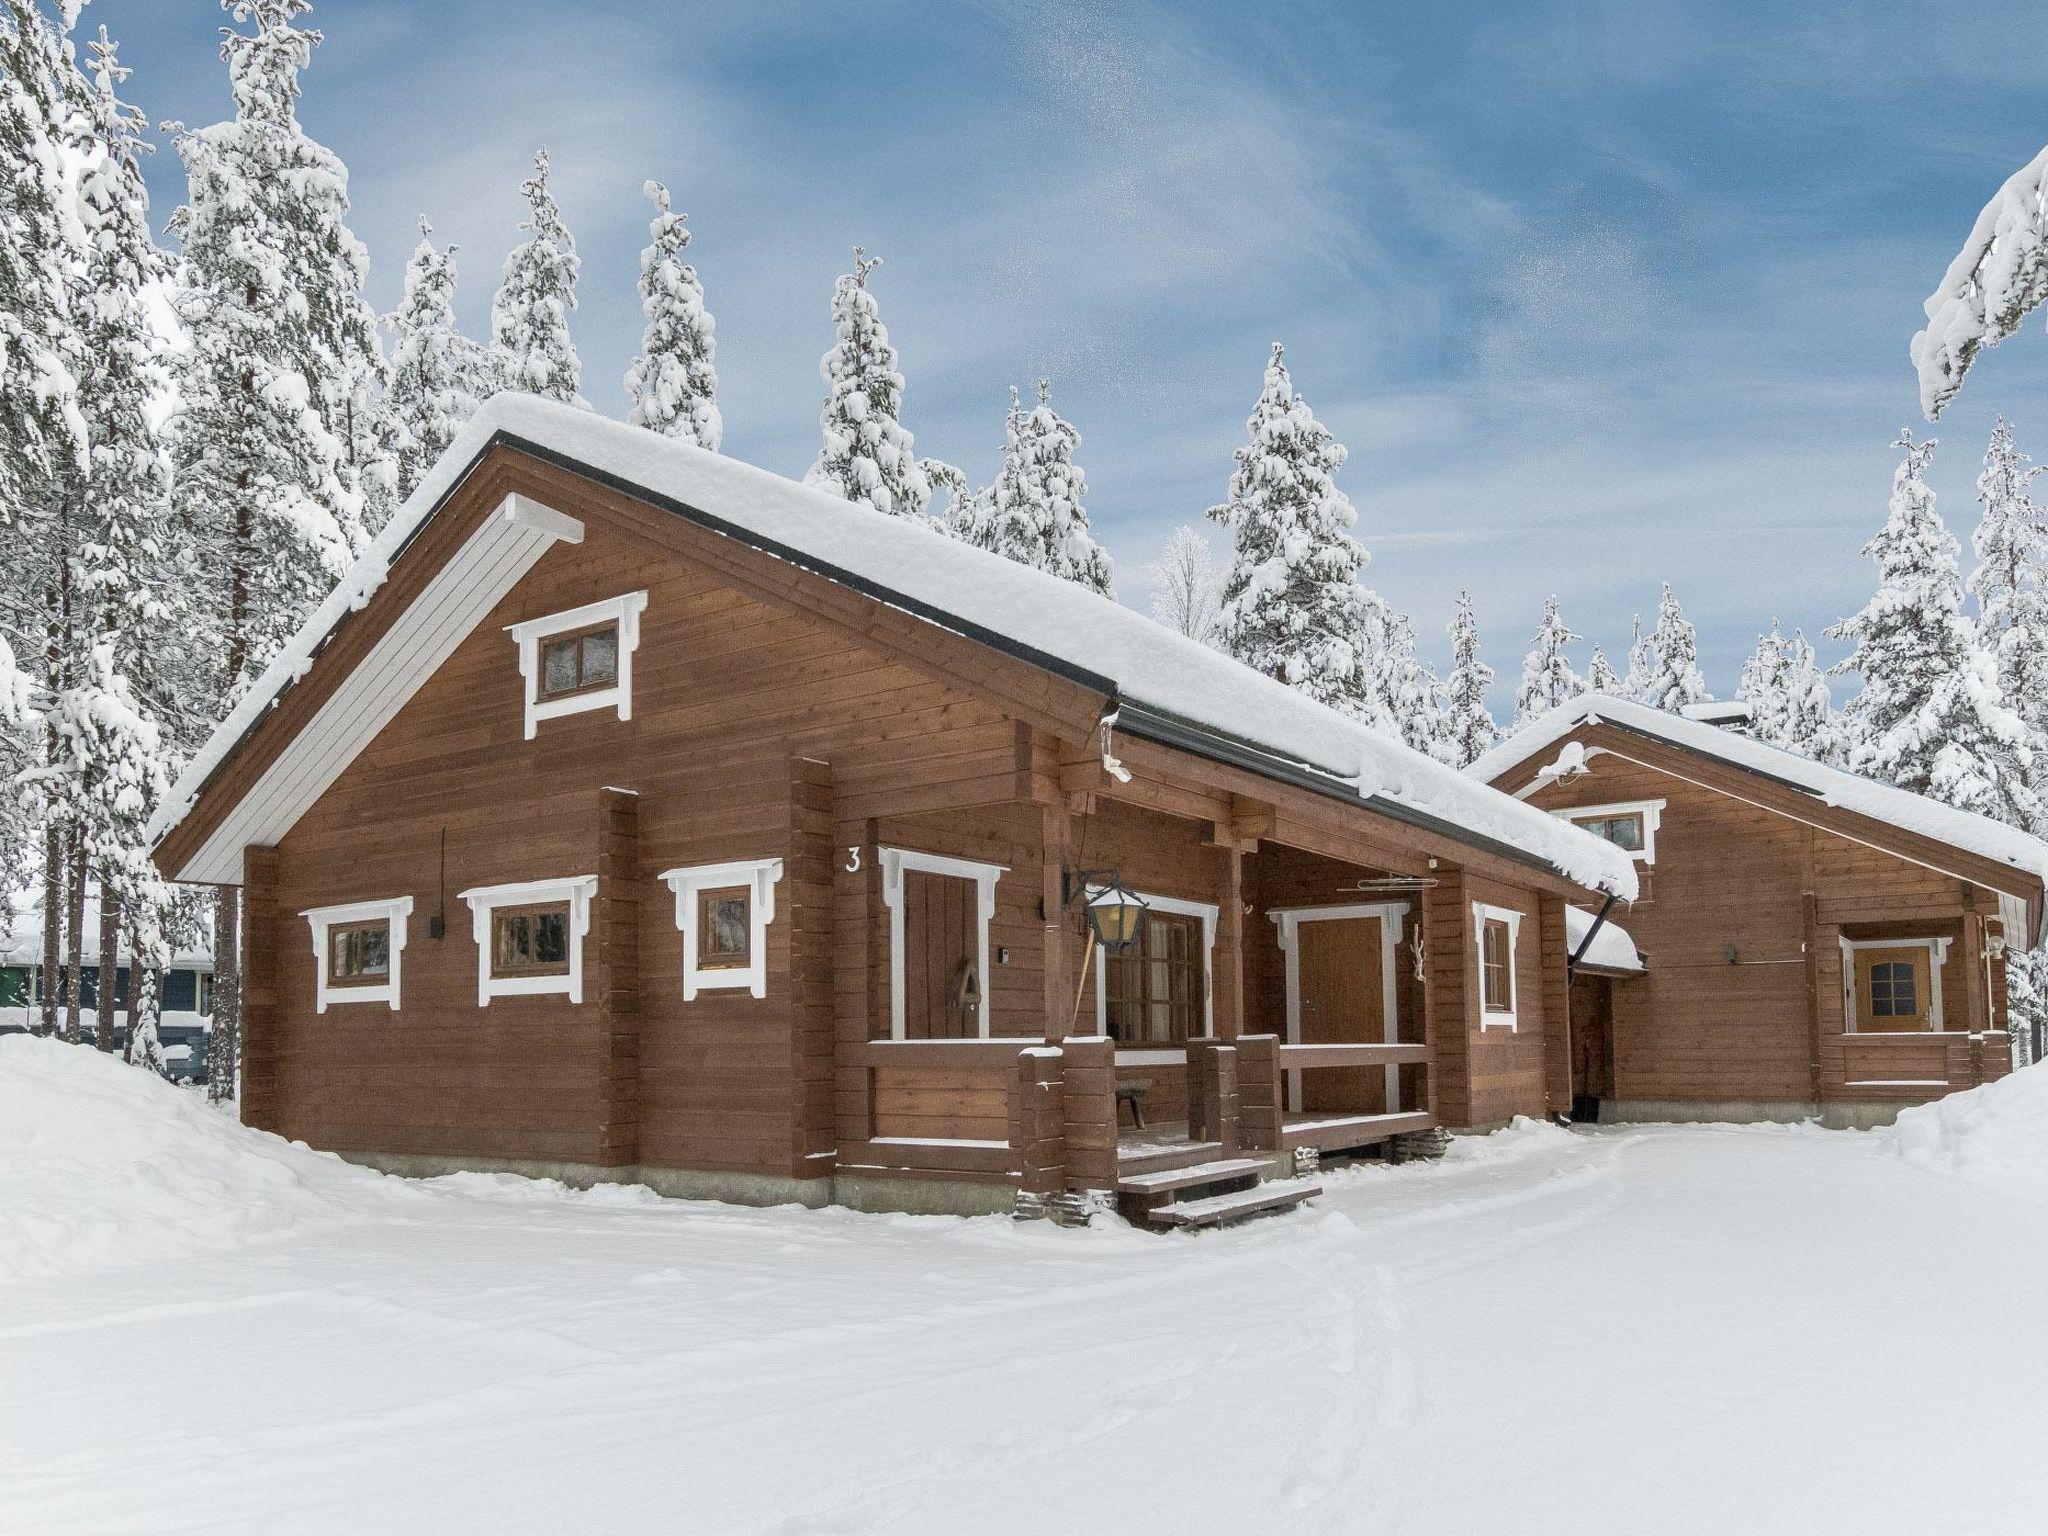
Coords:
633,813
187,982
1815,943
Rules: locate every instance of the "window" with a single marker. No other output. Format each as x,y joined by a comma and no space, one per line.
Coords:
1154,992
580,660
529,937
723,912
530,941
356,952
1893,985
1893,993
1631,825
1495,931
724,938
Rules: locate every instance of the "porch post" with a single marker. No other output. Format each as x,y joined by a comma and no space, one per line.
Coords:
1557,1004
1038,1127
1450,996
1228,961
1258,1092
1056,841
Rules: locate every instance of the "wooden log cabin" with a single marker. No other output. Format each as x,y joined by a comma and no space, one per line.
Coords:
631,813
1818,944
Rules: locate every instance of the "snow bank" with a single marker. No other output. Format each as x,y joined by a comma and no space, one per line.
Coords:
1519,1137
103,1164
1149,669
1995,1134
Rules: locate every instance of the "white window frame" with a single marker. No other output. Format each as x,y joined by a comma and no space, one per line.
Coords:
1393,916
894,862
1651,811
393,911
576,890
1936,945
689,882
1163,1055
623,611
1508,1018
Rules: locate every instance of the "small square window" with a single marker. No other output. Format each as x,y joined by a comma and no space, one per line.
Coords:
358,952
579,662
530,941
1624,831
724,928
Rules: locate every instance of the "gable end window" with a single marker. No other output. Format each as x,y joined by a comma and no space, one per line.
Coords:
530,937
1495,931
357,949
723,912
1630,825
580,660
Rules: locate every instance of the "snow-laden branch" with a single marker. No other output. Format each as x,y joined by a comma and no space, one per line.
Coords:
1998,278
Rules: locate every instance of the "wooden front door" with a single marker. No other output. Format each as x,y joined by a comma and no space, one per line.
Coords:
1343,1002
941,957
1894,990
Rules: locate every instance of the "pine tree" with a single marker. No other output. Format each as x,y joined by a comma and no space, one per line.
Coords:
1601,677
2010,583
1547,676
1929,718
1037,516
1186,588
530,341
1762,686
436,371
1671,660
1292,605
673,384
1472,731
1414,696
1635,685
868,455
1809,724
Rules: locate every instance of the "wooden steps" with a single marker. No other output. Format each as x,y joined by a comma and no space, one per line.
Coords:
1167,1180
1214,1210
1169,1154
1330,1133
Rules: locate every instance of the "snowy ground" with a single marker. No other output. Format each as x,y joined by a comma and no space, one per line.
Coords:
1640,1330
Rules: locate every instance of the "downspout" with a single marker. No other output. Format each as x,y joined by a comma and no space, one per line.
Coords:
1571,963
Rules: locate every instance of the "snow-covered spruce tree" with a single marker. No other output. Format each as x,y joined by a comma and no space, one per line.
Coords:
1635,684
436,371
969,512
2010,583
1762,686
1186,587
1414,696
530,342
1671,659
1601,676
1292,605
1547,676
1038,518
672,384
1471,726
1929,718
868,455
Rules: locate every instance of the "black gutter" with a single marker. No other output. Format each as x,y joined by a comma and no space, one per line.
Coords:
1572,960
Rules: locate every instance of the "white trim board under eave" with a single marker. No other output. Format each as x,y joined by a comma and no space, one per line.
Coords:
458,598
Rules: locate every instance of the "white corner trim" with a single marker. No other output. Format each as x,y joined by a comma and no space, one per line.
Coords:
1652,812
524,512
1288,921
1936,945
1207,911
394,911
1496,1018
894,862
688,882
624,611
576,890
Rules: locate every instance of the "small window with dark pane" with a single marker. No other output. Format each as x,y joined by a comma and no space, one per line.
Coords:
1152,992
1496,967
1624,830
724,928
530,941
1894,990
581,662
359,952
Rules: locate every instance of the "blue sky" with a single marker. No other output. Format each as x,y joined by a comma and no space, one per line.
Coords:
1597,295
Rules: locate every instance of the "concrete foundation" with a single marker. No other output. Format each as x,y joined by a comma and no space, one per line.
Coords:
1859,1116
922,1197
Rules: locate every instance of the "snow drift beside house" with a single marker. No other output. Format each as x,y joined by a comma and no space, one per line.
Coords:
1995,1134
102,1163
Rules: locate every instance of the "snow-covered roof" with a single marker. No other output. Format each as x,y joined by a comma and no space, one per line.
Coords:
1613,949
21,938
1899,808
1162,683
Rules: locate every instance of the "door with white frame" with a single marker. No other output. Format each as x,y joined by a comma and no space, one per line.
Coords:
1342,985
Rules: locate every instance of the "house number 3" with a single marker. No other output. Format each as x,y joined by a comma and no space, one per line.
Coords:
853,861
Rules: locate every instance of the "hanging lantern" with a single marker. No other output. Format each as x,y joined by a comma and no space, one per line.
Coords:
1115,916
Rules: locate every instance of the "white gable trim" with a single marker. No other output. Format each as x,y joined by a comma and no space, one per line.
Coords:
622,611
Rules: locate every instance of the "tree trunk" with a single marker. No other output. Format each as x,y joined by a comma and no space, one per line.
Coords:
53,924
134,975
224,1040
74,940
110,941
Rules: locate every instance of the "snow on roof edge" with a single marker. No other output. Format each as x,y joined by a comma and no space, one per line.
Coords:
939,578
1834,787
